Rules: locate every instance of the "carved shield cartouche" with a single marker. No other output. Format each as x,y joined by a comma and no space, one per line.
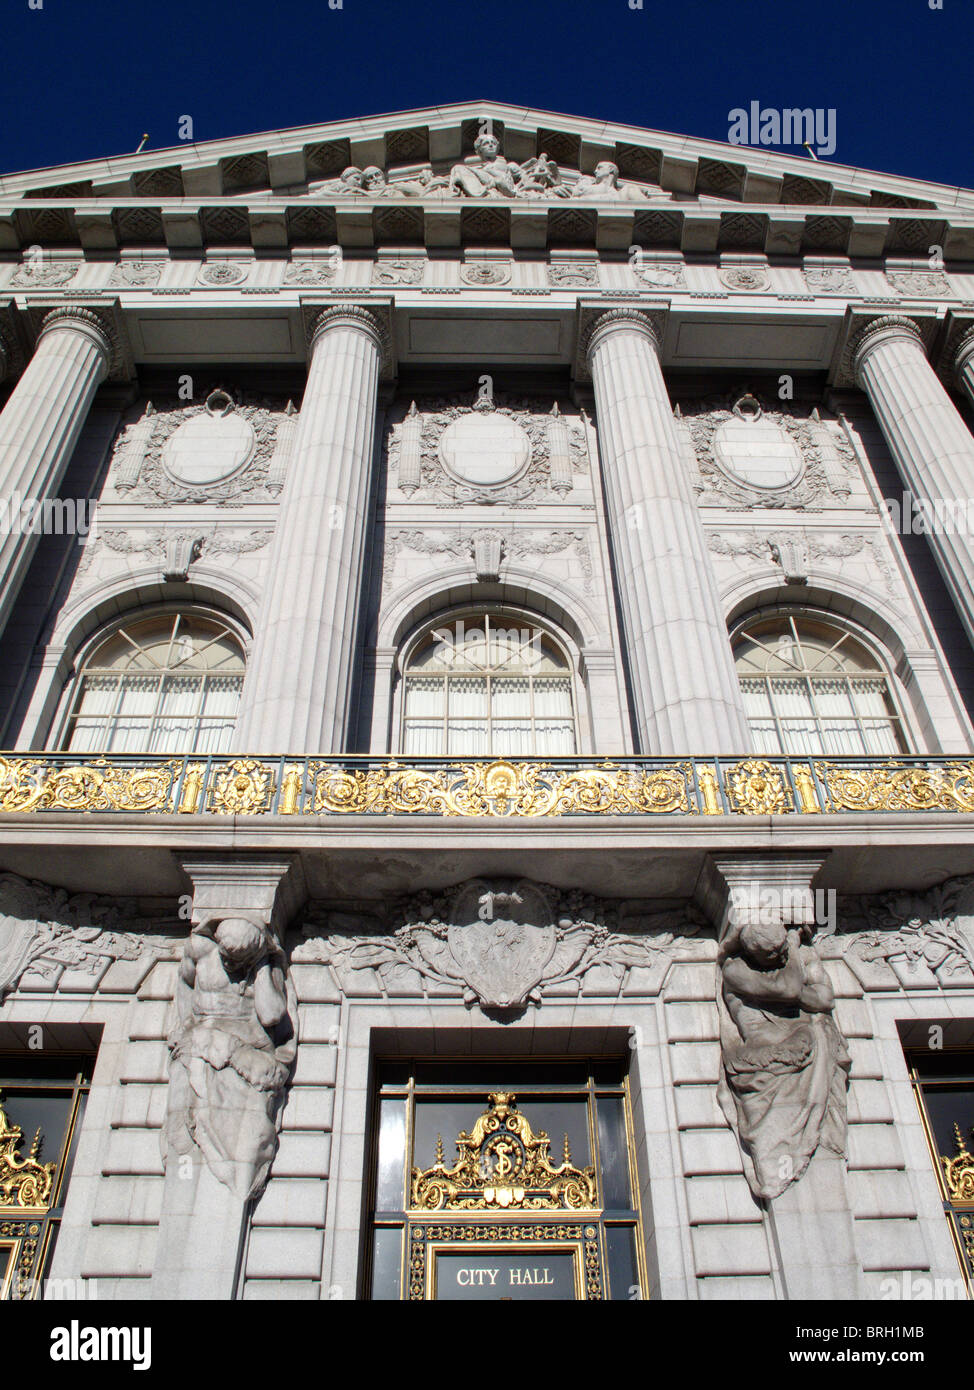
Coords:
502,937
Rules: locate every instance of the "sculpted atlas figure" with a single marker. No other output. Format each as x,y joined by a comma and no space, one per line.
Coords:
232,1050
785,1063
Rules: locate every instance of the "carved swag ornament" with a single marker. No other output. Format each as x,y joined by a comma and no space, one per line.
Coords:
502,942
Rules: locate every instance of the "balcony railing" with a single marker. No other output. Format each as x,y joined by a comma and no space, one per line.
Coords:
515,788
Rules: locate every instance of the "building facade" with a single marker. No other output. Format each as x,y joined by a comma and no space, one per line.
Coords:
487,605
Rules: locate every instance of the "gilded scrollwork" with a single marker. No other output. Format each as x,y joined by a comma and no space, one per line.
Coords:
959,1171
502,788
502,1164
25,1182
756,787
244,788
28,784
891,787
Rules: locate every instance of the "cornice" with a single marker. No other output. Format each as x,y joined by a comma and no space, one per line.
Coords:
283,152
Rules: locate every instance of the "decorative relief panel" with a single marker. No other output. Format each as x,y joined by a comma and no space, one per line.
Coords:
474,544
219,451
661,274
502,943
752,457
920,284
46,931
795,549
748,279
409,271
830,280
918,940
449,452
178,550
135,274
573,276
44,273
486,273
309,273
223,273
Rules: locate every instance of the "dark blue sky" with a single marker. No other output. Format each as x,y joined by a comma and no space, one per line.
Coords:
86,78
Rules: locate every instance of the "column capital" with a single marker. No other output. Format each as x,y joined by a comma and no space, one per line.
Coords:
319,320
881,330
100,325
624,318
963,351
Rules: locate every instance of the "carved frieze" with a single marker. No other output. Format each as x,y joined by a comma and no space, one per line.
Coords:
568,275
47,930
660,274
797,461
419,438
481,273
502,943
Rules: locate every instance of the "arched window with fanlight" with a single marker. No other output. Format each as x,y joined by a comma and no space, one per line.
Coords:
486,683
811,687
164,684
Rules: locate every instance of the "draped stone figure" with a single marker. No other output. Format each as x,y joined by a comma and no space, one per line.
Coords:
232,1047
785,1064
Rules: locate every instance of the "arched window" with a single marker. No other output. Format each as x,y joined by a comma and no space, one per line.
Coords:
166,684
488,684
810,687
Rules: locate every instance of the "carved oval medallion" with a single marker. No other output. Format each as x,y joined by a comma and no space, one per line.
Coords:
210,447
488,449
756,451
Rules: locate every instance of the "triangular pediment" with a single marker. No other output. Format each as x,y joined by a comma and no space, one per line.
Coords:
416,151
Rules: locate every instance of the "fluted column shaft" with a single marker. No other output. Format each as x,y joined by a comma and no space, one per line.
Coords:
933,448
39,428
685,691
298,686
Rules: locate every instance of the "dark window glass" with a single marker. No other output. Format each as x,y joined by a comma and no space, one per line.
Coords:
386,1263
620,1257
614,1153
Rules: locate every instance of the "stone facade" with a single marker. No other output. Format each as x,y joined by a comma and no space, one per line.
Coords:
426,375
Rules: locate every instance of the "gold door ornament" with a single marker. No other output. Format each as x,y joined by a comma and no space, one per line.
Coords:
25,1183
503,1164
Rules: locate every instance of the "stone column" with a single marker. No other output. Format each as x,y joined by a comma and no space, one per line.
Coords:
685,691
933,448
227,1077
297,691
775,1001
40,424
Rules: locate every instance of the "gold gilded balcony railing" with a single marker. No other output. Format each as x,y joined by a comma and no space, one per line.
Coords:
499,787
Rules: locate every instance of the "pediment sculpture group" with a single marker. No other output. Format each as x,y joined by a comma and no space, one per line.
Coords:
488,174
